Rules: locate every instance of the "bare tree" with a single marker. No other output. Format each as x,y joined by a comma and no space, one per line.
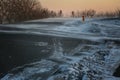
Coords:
78,14
73,14
60,13
21,10
53,14
91,13
1,12
84,13
118,13
111,14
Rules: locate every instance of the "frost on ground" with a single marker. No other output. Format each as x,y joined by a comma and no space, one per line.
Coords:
93,61
98,66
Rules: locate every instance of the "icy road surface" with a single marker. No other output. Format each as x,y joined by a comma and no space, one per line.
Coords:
93,29
62,48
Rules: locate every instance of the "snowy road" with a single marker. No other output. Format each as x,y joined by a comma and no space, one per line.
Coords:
71,49
72,28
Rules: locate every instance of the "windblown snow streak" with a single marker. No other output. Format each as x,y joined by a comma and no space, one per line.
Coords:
80,51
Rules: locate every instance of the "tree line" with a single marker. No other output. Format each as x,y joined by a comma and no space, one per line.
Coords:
12,11
93,13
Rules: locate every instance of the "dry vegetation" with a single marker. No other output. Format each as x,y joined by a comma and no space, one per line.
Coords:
93,13
21,10
86,13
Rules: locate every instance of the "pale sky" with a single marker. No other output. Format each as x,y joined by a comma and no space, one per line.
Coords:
74,5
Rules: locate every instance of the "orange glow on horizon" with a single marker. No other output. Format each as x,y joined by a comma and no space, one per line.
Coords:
75,5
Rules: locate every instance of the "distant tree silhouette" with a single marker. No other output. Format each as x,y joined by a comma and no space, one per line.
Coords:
118,13
91,13
78,14
60,13
84,13
108,14
53,14
73,14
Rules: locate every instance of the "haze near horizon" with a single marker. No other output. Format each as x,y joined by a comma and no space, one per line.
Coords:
75,5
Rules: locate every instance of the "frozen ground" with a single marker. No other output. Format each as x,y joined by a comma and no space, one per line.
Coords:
95,57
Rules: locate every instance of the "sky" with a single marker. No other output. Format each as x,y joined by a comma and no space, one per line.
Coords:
74,5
